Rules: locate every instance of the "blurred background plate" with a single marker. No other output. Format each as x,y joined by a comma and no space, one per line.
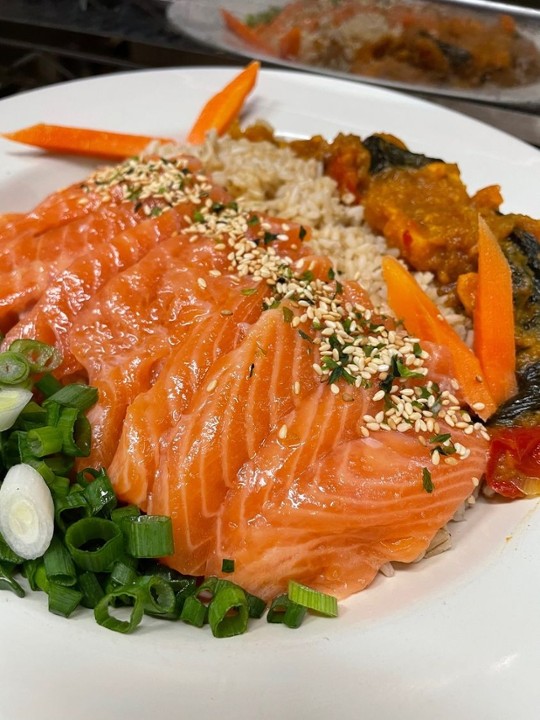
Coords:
516,94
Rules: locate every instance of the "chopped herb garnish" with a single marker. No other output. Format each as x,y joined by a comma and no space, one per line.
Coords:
331,274
265,17
427,482
288,314
339,288
198,216
417,350
269,237
253,220
156,212
440,438
248,291
251,370
232,206
217,207
305,336
307,276
302,232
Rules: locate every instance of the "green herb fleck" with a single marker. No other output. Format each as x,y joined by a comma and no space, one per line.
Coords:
288,314
198,216
305,336
248,291
427,482
302,232
227,566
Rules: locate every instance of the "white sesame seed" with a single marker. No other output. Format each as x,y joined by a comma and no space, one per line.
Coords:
283,430
211,386
379,395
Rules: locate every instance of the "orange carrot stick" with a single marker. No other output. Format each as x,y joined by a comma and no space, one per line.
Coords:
245,33
81,141
223,108
423,319
494,332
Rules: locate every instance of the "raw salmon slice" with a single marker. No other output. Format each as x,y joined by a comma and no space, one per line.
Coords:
31,263
70,290
328,507
128,331
155,412
243,396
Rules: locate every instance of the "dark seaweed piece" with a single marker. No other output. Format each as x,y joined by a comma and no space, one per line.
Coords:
524,408
385,154
522,251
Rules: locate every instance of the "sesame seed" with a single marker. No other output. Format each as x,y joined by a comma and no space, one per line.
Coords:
201,282
373,426
435,457
378,395
478,406
283,430
211,386
334,388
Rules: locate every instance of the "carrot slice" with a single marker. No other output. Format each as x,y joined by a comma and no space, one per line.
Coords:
494,332
81,141
223,108
423,319
245,33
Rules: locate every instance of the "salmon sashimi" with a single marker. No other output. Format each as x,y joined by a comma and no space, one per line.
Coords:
70,290
155,412
130,327
33,261
118,183
328,507
127,332
130,193
212,440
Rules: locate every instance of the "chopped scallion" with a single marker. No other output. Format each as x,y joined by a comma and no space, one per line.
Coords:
313,599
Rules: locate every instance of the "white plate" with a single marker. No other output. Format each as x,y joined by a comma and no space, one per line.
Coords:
454,636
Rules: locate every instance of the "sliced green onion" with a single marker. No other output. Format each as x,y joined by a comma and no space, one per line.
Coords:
80,397
7,555
60,464
63,600
29,570
284,610
44,441
127,511
91,589
70,508
40,578
105,541
160,599
100,495
194,612
256,606
59,487
40,357
14,368
8,583
48,385
320,602
26,512
59,564
12,402
227,566
53,412
31,416
123,573
149,536
75,432
228,612
105,619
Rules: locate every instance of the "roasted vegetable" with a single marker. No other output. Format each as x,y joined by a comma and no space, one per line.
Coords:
385,154
524,408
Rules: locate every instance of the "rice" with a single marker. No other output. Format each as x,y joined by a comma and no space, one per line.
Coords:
261,176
